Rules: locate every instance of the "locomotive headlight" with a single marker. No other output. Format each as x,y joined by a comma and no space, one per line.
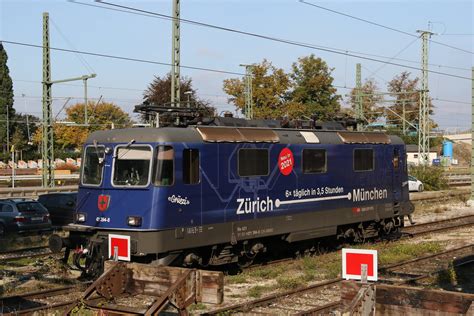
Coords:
134,221
80,217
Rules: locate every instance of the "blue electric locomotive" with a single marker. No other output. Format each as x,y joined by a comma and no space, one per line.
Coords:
213,195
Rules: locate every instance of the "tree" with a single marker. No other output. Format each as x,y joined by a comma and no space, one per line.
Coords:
312,88
7,112
370,100
405,91
269,88
101,116
159,93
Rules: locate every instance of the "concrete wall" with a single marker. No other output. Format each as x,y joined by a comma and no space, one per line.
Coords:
464,138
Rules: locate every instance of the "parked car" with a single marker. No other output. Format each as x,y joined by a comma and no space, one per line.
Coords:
23,216
414,184
61,207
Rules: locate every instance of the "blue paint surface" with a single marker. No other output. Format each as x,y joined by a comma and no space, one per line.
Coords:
216,198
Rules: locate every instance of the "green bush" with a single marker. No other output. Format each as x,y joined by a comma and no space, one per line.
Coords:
432,177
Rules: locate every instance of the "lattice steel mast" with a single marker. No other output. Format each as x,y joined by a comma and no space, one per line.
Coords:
175,56
248,110
47,152
47,145
424,111
359,106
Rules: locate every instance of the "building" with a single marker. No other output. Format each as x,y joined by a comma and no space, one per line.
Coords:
412,155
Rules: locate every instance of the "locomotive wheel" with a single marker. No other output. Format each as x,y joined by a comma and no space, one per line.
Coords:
244,262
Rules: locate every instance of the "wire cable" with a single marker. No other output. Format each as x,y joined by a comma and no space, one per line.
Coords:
81,59
396,55
290,42
380,25
170,18
121,57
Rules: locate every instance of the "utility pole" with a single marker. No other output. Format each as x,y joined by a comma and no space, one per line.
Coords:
8,128
48,141
359,105
472,136
175,57
47,152
248,91
424,111
404,118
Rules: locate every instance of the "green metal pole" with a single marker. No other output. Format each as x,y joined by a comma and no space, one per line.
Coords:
248,91
472,136
86,121
175,56
404,118
359,105
424,113
48,138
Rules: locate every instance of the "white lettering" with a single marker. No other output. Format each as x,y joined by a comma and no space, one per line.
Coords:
248,206
360,195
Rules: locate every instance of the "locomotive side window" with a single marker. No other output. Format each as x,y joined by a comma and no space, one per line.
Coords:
363,159
93,165
191,166
253,162
132,166
314,160
396,159
164,169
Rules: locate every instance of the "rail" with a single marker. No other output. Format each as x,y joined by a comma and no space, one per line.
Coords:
32,192
23,177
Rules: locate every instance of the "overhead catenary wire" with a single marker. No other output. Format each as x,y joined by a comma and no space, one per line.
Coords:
380,25
397,54
164,17
81,59
120,57
219,96
270,38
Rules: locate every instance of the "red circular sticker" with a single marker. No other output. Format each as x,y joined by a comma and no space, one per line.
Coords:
286,161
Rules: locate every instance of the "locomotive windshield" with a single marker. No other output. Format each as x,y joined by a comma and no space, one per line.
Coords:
93,165
132,166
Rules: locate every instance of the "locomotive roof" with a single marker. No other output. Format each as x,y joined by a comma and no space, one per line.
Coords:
202,134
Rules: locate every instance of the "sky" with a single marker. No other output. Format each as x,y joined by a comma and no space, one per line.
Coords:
91,26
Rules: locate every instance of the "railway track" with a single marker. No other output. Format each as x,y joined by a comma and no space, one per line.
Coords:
305,301
27,253
51,299
313,299
438,226
407,232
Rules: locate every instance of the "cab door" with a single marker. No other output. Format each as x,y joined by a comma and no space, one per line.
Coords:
396,179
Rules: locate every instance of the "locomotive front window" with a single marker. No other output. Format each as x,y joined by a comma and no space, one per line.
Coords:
93,165
253,162
363,159
314,160
164,169
132,166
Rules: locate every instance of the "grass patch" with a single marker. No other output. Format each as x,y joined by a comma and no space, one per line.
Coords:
196,307
266,272
289,283
401,252
258,290
237,279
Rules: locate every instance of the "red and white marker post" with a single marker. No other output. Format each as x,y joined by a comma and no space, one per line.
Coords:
355,261
119,247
